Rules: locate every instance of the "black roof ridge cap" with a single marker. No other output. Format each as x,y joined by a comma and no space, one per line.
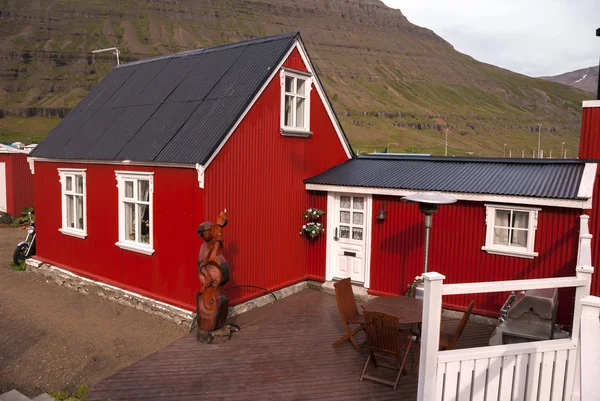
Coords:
225,46
475,159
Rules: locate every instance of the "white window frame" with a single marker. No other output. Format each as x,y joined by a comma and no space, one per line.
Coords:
63,173
506,250
293,130
124,242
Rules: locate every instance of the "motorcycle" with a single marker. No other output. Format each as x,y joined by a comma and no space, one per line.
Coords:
26,248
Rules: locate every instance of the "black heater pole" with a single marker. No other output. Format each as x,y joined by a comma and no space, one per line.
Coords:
598,92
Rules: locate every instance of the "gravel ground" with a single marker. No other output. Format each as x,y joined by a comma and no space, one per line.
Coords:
53,338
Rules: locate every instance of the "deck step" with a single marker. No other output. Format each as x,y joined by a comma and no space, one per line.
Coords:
13,395
44,397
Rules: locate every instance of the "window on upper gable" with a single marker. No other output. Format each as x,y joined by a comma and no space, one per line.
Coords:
73,202
511,230
295,102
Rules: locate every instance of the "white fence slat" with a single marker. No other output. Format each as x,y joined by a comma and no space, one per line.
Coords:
506,381
590,349
546,376
465,380
520,377
451,382
493,379
558,381
570,373
533,376
480,379
439,382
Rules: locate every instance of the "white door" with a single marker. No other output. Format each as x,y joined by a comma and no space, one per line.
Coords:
2,187
351,229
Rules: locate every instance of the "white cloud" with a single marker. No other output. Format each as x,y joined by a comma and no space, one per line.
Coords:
533,37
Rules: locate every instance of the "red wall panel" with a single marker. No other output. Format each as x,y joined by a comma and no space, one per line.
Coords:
258,177
19,182
589,141
169,274
457,235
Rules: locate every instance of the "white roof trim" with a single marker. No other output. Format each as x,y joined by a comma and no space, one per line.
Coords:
586,185
591,103
515,200
309,67
112,162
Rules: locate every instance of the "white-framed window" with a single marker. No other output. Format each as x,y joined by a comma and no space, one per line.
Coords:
73,202
511,230
135,211
295,102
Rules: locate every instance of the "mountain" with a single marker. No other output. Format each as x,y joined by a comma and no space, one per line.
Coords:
585,79
391,82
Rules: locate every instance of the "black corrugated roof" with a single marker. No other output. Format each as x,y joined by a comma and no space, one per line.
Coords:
559,179
176,108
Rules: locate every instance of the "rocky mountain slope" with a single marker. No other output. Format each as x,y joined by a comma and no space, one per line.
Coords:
391,82
585,79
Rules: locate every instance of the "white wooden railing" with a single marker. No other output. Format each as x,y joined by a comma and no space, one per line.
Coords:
535,371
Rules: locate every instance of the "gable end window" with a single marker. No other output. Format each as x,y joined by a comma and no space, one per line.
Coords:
135,211
295,102
73,202
511,230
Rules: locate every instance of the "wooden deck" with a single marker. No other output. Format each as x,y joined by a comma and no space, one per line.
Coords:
283,352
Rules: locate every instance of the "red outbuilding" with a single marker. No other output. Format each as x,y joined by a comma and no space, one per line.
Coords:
163,144
16,181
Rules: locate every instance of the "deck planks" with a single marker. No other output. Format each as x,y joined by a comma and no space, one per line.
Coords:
282,352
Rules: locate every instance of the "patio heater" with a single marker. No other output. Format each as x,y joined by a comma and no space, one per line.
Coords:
428,205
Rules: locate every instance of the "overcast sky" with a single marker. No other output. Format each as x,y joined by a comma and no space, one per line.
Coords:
533,37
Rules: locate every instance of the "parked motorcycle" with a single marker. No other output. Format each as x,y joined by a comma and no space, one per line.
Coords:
26,248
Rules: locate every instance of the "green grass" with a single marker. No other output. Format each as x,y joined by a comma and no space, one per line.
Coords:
26,130
21,267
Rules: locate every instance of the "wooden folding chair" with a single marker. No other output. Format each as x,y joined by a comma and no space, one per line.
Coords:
385,338
448,340
348,311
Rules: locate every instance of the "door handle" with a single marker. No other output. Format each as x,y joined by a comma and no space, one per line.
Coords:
335,237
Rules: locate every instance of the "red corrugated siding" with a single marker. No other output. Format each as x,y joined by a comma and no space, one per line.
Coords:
457,235
589,141
168,275
258,176
19,183
589,148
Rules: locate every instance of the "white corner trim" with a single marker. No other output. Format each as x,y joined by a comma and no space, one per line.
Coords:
586,185
518,200
277,70
73,233
591,103
134,247
200,169
515,253
31,162
329,234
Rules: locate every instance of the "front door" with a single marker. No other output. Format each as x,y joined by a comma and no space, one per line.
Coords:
351,223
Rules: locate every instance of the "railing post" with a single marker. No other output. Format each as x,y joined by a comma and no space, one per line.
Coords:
584,270
430,335
590,348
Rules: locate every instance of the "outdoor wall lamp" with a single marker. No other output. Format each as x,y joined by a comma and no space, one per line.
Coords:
382,211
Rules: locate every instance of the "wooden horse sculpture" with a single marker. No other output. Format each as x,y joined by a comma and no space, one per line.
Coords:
213,272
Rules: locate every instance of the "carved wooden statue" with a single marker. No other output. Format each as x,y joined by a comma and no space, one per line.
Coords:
213,272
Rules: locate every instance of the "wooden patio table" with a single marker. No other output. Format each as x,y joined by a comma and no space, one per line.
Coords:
408,310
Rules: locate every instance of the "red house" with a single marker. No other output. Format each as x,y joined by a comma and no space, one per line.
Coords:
16,181
162,144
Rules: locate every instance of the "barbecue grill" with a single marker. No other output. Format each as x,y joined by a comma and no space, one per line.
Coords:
528,316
